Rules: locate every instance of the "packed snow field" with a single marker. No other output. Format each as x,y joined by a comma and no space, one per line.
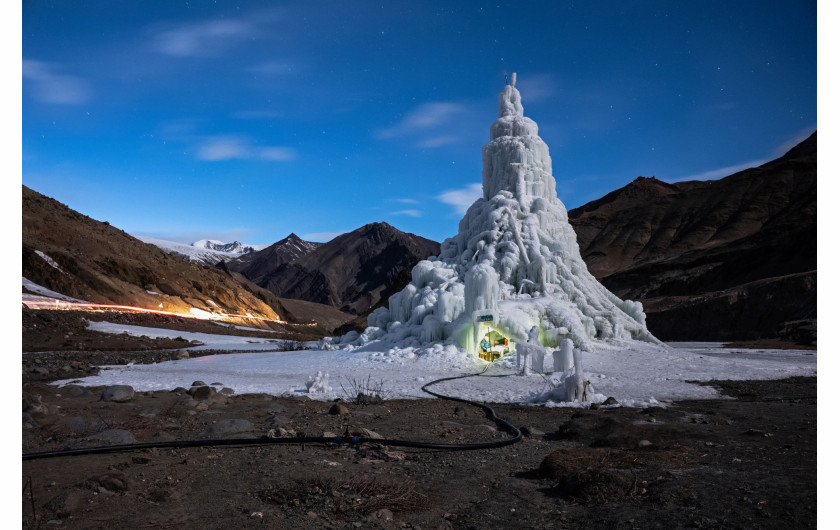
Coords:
639,374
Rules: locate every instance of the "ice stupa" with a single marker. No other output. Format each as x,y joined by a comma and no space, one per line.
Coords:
514,264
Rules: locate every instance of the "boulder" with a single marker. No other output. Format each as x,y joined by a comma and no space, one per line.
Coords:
117,393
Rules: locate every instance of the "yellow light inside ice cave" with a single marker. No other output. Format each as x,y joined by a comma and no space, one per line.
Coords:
492,342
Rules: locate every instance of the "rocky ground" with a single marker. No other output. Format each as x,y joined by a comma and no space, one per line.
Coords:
746,461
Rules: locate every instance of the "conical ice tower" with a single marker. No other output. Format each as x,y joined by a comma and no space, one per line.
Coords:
513,265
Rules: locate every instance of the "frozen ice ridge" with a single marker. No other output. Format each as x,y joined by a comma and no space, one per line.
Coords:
514,264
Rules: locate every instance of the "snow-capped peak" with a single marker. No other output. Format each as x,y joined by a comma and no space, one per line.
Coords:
232,248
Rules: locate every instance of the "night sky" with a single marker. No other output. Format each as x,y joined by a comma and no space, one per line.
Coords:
251,120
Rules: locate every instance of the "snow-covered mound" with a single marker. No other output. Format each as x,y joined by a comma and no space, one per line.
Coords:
514,264
206,251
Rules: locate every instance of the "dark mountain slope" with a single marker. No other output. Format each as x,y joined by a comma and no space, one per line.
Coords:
715,240
97,262
350,272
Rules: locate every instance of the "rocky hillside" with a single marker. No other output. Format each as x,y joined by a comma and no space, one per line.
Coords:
729,259
350,273
73,254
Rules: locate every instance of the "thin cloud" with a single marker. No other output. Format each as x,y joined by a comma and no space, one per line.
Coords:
538,87
218,148
222,148
202,39
408,201
461,199
409,213
793,142
278,154
49,86
423,118
719,173
438,141
273,68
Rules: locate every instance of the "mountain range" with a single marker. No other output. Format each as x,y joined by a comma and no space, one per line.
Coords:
350,272
730,259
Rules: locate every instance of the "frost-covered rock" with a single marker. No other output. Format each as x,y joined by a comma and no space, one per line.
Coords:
514,263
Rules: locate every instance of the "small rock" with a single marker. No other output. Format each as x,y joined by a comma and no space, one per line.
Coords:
338,408
179,390
217,384
198,383
645,443
202,406
202,392
384,515
117,393
63,504
180,355
365,433
595,406
451,516
530,432
610,401
312,515
227,391
111,481
36,408
235,426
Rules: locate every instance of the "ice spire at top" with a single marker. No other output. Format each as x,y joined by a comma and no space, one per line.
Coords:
516,159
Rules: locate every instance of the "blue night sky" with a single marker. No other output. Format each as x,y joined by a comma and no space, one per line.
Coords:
250,120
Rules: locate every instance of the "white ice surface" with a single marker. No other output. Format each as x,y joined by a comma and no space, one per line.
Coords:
643,375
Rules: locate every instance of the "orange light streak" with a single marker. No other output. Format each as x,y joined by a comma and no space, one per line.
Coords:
67,306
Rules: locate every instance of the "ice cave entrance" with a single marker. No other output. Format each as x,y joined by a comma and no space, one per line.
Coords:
493,342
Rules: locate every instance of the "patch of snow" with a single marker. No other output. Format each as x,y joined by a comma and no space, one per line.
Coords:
205,252
209,341
35,288
51,262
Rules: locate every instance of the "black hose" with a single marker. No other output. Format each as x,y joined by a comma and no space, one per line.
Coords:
491,414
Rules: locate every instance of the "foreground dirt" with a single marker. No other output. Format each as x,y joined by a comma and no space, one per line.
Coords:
746,461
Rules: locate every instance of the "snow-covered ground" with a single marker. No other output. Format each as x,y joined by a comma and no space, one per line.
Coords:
637,375
210,341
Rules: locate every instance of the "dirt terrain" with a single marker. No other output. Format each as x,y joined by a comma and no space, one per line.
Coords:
748,460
